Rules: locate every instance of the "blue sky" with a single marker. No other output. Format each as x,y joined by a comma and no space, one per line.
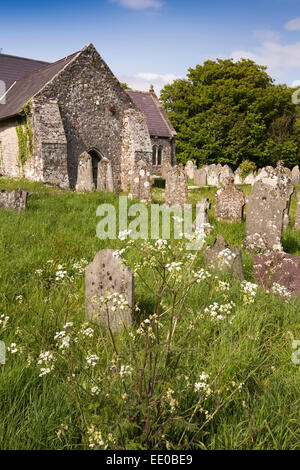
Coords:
155,41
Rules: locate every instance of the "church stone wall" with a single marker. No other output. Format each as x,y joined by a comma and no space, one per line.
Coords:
136,145
9,149
92,104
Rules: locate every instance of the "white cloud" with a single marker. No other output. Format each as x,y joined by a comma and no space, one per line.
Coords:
273,54
266,35
293,25
142,81
139,4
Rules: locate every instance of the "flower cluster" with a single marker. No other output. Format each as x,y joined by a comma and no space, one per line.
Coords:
175,266
124,234
12,348
161,244
202,386
223,286
249,290
217,311
125,370
201,275
226,256
92,360
169,398
280,290
3,321
47,359
62,338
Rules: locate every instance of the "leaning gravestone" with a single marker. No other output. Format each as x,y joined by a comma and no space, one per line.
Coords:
229,202
223,259
176,193
109,290
267,206
297,222
140,182
15,200
105,180
276,270
85,180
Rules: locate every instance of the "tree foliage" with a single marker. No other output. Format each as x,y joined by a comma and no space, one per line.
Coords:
228,112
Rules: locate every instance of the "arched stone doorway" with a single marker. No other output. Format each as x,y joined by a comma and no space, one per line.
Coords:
96,157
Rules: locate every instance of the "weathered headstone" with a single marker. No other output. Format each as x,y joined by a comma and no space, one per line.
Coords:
267,205
200,177
176,193
140,182
229,202
225,173
213,175
223,259
109,290
15,200
105,180
85,180
165,168
250,179
296,175
275,271
297,221
201,222
190,168
237,177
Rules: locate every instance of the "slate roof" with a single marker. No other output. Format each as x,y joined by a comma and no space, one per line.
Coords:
158,122
12,67
28,85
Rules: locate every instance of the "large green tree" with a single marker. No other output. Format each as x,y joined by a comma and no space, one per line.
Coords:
227,112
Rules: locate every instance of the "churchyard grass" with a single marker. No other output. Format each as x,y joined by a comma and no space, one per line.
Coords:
206,365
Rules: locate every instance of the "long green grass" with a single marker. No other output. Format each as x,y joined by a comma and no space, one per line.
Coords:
56,411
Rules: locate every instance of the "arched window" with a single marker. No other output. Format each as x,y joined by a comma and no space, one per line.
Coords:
154,151
159,155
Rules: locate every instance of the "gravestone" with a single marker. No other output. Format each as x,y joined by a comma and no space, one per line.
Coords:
176,193
297,221
225,173
229,202
237,177
190,168
85,180
250,179
140,182
200,177
278,269
105,276
165,168
267,206
201,222
295,175
105,180
220,257
213,175
15,200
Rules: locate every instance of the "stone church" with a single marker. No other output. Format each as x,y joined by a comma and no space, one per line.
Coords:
56,117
